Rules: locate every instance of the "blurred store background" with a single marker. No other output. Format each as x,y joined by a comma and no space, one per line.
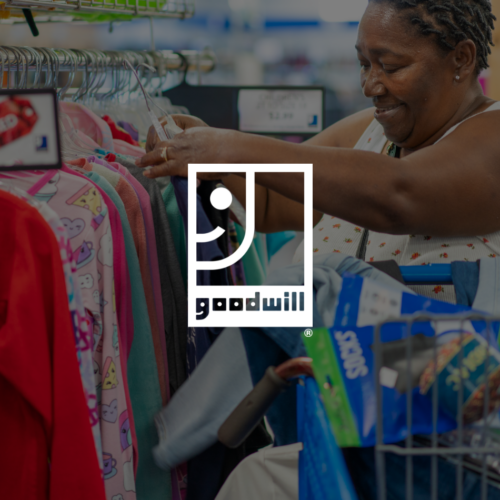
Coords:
270,42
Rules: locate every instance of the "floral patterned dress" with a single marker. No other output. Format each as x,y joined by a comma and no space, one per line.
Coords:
332,235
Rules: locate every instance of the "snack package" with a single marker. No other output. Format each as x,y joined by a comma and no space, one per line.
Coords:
17,119
344,365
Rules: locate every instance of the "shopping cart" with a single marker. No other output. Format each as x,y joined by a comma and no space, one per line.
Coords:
477,450
322,471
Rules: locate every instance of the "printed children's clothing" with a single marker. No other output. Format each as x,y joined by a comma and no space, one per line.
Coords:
85,215
145,241
48,450
80,322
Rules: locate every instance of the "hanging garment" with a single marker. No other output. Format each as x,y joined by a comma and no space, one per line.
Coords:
332,234
85,214
184,431
237,269
122,148
255,271
144,387
145,243
137,216
177,229
80,322
88,123
43,403
173,290
130,129
146,278
200,338
123,306
119,133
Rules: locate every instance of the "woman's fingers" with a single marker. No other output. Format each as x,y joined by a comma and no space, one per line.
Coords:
157,171
187,121
156,156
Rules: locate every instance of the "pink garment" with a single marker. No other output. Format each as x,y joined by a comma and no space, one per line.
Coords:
122,148
77,136
158,335
135,217
123,295
89,123
147,213
136,220
123,299
85,215
132,203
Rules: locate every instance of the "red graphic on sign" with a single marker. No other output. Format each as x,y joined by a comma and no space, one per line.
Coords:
17,119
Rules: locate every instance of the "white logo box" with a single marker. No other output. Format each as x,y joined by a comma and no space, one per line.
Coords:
248,318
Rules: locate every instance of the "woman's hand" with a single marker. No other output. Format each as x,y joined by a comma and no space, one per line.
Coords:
185,122
195,145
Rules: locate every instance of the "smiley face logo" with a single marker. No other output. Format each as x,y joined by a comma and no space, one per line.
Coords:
221,199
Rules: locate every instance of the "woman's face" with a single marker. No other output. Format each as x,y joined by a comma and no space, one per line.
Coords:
406,76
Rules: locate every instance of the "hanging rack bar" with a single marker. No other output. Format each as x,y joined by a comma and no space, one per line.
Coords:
161,60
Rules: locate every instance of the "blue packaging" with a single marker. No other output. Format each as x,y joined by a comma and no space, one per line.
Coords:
344,365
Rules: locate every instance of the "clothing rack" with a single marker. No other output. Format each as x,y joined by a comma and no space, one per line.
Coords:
103,72
21,58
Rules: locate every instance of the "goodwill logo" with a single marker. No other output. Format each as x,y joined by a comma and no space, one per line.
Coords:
249,306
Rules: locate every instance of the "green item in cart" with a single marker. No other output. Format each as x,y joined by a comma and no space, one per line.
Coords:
327,373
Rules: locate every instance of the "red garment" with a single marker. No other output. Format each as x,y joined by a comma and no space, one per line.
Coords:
43,412
118,132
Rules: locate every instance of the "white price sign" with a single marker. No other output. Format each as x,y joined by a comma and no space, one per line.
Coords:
281,111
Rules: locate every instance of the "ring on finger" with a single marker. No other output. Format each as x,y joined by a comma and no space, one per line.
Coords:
164,154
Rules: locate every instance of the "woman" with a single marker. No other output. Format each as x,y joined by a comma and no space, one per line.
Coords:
431,194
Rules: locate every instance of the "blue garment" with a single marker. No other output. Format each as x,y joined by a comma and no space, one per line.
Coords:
204,470
465,277
199,339
276,241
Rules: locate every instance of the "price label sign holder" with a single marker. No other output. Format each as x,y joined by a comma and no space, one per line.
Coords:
281,110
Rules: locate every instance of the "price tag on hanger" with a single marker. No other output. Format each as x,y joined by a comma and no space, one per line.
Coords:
281,111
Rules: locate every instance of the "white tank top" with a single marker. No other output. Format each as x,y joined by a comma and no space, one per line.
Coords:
334,235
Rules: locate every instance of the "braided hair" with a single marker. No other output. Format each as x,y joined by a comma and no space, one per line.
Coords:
452,21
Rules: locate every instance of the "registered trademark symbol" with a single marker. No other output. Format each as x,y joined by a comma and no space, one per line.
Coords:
308,333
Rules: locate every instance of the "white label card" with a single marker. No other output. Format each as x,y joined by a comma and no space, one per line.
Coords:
281,111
